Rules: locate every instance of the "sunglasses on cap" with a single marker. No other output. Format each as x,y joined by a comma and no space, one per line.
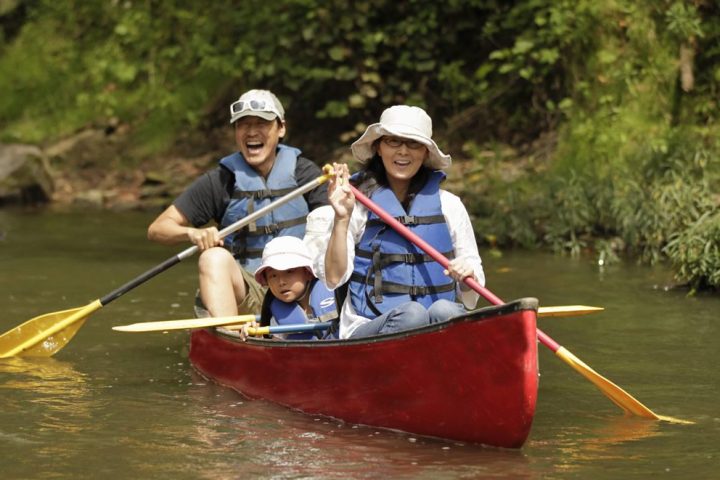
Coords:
252,105
395,142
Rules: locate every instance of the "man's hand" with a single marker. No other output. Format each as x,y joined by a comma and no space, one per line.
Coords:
205,238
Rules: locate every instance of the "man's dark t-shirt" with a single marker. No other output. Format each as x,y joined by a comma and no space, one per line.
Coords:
208,196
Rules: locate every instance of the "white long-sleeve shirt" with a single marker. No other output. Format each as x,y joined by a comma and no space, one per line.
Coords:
317,237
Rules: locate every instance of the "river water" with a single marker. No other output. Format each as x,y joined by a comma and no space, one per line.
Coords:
119,405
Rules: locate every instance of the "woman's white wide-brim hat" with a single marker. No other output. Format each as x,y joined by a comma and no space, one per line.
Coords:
406,122
284,253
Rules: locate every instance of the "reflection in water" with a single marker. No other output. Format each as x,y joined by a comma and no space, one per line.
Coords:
619,430
605,440
604,447
59,394
47,376
287,444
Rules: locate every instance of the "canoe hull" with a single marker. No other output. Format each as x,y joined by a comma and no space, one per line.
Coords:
473,378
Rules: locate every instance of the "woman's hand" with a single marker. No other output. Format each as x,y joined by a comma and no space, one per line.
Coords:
340,196
342,201
458,269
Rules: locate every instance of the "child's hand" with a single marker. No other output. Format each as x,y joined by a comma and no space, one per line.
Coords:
244,332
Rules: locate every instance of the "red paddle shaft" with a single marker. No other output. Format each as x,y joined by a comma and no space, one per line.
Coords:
439,257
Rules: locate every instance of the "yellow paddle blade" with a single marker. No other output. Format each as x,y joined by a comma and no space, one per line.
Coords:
567,311
44,335
184,324
53,343
665,418
619,396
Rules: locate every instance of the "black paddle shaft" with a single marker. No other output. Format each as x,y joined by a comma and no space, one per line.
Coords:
118,292
222,233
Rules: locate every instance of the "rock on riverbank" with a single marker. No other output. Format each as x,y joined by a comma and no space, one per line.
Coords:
97,168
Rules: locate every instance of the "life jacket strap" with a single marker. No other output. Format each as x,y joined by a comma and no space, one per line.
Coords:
261,194
240,251
385,259
327,317
410,220
275,227
376,272
253,195
392,287
239,247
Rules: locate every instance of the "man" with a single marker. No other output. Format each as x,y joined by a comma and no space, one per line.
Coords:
261,171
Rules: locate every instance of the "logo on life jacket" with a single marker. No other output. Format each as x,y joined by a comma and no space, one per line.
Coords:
328,302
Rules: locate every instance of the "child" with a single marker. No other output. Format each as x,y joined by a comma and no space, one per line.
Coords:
294,293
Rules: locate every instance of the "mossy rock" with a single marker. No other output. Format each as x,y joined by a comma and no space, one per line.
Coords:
25,175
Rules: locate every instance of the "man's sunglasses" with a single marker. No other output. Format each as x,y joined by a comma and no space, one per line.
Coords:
253,105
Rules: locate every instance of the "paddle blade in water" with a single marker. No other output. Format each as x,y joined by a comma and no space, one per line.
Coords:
619,396
567,310
44,335
52,344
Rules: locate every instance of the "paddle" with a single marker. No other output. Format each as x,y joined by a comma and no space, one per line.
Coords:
46,334
191,323
619,396
187,323
231,323
567,311
296,328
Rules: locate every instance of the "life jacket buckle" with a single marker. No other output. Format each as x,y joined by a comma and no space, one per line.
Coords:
260,194
417,291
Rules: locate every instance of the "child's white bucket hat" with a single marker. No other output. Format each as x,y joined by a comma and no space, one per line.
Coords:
284,253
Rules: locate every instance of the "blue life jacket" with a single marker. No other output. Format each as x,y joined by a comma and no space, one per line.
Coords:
322,303
389,270
253,192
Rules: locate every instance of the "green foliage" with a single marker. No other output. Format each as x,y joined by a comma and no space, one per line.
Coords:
683,21
663,208
333,59
695,252
632,167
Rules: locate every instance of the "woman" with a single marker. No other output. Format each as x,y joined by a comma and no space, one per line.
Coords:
392,285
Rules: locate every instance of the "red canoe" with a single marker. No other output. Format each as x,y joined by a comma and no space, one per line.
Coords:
473,378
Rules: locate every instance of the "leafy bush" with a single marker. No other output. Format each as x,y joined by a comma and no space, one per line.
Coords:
695,252
627,89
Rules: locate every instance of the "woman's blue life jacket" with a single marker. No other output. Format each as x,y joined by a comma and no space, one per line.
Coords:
253,192
322,303
389,270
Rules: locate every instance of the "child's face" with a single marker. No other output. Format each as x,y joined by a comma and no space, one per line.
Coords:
287,285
